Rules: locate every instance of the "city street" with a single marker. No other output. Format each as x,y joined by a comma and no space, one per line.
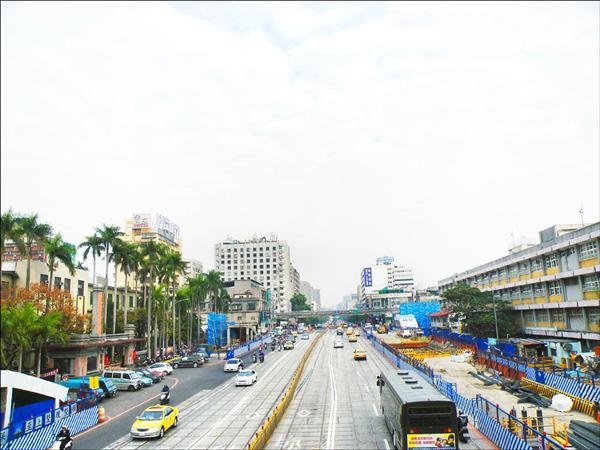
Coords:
337,403
227,416
122,410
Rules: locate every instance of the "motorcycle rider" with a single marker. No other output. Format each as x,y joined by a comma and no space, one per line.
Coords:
166,390
254,357
64,437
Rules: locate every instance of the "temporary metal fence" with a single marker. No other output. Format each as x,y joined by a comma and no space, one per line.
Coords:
39,432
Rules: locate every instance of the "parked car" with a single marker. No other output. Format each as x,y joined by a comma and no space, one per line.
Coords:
193,360
202,352
125,380
166,368
154,421
153,376
233,365
157,372
245,378
80,387
144,379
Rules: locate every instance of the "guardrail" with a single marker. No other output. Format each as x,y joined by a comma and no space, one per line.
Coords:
585,406
262,436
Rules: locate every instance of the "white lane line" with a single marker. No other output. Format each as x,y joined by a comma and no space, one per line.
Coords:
353,365
358,373
387,446
367,388
330,445
375,410
240,403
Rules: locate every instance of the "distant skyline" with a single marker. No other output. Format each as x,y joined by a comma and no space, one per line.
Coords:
431,132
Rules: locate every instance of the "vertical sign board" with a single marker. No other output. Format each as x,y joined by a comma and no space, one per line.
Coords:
368,277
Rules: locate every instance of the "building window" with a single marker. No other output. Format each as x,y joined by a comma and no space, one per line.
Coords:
67,285
591,282
588,250
536,264
92,363
539,290
80,287
57,281
551,261
554,288
43,279
131,301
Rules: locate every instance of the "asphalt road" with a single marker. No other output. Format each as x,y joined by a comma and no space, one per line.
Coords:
122,410
227,416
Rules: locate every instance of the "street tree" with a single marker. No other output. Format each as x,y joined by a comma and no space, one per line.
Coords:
298,302
475,310
32,231
58,250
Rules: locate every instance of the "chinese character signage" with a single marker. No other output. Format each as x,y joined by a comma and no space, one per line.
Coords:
432,441
368,277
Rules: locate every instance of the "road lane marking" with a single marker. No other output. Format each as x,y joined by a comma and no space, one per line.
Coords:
387,446
333,411
375,410
240,403
367,388
108,419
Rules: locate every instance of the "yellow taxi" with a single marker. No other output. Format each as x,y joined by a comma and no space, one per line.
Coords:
352,338
154,421
359,353
295,333
345,325
350,331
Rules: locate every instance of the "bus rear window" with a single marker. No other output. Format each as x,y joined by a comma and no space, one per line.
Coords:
429,410
430,421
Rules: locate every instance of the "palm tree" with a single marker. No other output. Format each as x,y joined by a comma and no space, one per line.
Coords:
151,251
215,285
107,234
47,328
124,255
10,229
117,244
199,291
92,244
174,266
57,250
32,231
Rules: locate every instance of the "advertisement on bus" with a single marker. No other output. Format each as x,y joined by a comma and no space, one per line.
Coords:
431,441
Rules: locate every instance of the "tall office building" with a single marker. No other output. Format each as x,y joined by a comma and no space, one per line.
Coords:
152,227
313,296
554,286
193,268
385,285
266,260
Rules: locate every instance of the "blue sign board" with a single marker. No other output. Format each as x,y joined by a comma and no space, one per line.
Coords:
368,277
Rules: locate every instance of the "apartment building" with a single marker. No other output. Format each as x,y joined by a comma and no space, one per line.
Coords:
554,286
313,296
193,268
266,260
385,284
146,227
248,302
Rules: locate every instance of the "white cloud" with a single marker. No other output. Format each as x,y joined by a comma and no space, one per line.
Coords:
425,131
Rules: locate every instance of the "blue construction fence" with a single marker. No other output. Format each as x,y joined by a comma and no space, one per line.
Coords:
217,329
420,311
484,415
38,432
586,388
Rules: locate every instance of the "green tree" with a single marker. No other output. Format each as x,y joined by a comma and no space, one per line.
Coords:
151,252
92,244
214,286
10,229
475,310
198,291
298,302
57,250
174,266
47,328
108,235
125,257
32,231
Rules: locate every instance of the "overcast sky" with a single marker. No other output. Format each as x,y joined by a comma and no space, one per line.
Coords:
430,132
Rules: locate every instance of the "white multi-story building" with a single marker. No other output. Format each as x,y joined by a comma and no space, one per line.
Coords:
313,296
146,227
193,268
266,260
385,285
349,301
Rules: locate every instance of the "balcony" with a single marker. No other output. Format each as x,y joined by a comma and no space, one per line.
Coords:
555,298
551,270
539,300
524,276
588,262
593,294
537,274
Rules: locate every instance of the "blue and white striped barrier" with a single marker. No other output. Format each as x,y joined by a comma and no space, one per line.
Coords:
571,386
504,439
44,437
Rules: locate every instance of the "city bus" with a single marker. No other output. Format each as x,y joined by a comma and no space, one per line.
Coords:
417,416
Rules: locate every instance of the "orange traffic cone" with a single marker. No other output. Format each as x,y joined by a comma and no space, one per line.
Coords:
101,416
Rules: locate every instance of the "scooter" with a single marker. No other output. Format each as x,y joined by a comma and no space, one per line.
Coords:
165,397
254,357
463,429
261,357
58,441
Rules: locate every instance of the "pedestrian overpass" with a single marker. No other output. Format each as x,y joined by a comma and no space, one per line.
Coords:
328,313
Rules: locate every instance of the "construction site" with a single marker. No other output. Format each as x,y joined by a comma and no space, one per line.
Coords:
512,392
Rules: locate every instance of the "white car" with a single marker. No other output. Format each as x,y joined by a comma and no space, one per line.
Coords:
338,344
233,365
166,369
245,378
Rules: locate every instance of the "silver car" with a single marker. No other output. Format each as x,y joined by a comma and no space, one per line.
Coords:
338,344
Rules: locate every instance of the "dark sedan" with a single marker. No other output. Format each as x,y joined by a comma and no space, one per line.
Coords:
193,360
